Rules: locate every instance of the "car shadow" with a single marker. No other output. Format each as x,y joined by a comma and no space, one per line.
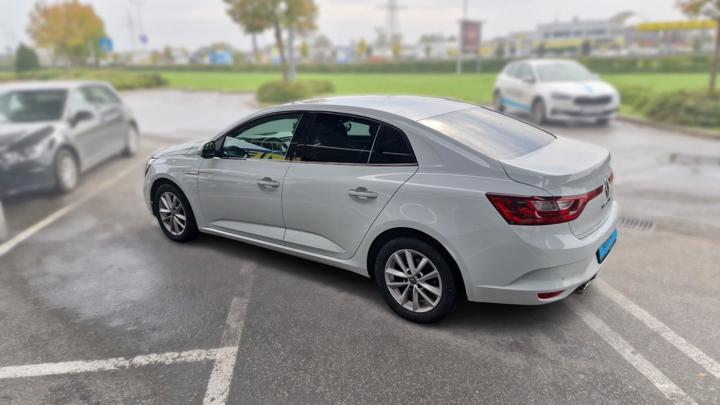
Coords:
468,316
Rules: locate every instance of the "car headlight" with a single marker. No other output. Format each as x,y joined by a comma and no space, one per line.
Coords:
28,153
561,96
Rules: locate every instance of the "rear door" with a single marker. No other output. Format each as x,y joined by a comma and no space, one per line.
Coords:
345,171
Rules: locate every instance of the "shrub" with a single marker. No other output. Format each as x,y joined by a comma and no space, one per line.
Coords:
26,59
283,92
119,79
684,108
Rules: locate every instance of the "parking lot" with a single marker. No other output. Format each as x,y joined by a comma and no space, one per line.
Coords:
98,306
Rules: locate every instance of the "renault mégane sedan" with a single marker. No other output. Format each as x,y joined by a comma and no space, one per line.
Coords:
555,90
436,200
52,131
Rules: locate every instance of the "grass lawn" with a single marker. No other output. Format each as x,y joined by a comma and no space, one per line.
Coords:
471,87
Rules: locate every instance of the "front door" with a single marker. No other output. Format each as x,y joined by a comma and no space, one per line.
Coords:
340,180
240,191
87,134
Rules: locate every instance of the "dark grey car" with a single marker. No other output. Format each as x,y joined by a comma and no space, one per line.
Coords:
50,132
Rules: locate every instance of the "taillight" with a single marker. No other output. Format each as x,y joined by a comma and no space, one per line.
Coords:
524,210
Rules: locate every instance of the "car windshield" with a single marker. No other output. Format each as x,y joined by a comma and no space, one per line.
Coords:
492,134
23,106
563,72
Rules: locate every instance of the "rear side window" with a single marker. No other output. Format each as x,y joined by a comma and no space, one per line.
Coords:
337,138
492,134
391,147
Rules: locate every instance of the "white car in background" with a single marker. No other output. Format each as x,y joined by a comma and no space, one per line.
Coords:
557,90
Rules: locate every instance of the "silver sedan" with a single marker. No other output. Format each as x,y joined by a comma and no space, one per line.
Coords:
436,200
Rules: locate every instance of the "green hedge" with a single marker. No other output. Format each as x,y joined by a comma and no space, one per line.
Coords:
121,80
282,92
697,109
664,64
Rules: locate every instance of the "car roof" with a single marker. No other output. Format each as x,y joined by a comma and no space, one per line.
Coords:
411,107
46,85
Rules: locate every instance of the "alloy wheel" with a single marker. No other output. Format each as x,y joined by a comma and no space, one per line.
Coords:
413,280
172,213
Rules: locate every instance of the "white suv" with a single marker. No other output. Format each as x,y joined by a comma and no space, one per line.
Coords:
555,90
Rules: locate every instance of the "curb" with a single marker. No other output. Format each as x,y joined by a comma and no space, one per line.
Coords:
678,129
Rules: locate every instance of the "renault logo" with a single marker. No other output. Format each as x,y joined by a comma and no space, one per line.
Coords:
608,190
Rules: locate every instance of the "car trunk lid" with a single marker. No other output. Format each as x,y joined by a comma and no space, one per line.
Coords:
568,168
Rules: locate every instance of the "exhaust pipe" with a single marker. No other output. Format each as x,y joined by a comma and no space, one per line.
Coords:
584,286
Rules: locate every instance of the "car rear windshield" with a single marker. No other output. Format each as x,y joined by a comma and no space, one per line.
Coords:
493,134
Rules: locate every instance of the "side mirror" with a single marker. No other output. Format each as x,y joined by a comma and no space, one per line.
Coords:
209,150
80,116
528,79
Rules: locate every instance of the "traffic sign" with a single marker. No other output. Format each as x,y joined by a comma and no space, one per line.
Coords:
106,44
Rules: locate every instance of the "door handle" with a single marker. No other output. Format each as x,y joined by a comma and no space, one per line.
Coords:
268,182
362,193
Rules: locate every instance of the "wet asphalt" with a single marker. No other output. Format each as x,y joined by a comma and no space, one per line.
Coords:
102,282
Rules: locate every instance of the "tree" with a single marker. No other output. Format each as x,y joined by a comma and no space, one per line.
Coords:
69,28
586,48
25,59
711,9
257,16
168,55
361,49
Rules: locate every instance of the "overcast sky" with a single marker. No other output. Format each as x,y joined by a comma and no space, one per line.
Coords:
194,23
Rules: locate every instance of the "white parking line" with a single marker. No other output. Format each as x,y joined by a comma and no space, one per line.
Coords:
38,226
656,377
668,334
218,387
118,363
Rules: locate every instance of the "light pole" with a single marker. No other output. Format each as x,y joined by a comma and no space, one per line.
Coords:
710,10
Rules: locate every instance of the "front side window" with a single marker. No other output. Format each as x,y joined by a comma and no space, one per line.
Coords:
337,138
102,95
270,138
493,134
25,106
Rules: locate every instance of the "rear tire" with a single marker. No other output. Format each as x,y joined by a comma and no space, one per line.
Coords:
174,214
538,111
424,291
67,171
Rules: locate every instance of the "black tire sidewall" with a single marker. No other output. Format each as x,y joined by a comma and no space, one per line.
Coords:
537,104
60,187
497,100
191,230
449,287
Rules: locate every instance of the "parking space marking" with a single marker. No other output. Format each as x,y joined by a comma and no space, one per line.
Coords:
218,387
663,330
38,226
118,363
628,352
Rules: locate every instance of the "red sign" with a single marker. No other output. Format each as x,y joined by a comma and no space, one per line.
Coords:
470,37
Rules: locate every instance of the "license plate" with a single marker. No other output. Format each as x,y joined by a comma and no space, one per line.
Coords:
606,247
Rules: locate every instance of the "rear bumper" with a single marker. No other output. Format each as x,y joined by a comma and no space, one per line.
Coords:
538,262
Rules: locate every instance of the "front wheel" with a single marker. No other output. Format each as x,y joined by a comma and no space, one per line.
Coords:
415,280
497,101
133,142
174,214
538,111
67,171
